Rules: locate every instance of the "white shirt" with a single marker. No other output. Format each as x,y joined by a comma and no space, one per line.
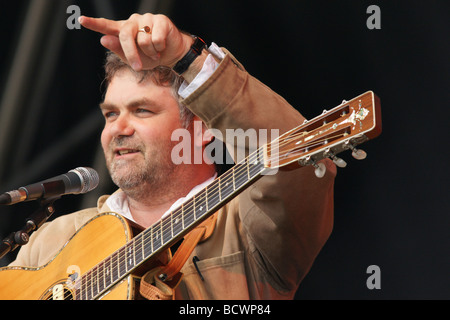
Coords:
118,202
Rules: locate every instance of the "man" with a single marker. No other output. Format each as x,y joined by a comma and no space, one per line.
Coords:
265,240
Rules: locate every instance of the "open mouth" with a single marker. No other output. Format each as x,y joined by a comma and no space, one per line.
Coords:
121,152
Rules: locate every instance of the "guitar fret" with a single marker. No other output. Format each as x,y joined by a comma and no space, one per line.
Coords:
95,281
206,199
102,275
79,291
199,204
151,238
134,252
157,237
171,224
220,188
129,259
121,263
115,269
90,282
160,233
139,254
144,245
107,277
129,256
83,289
177,223
100,280
256,165
147,248
213,198
194,202
97,278
165,229
240,179
90,285
226,188
188,214
182,217
232,174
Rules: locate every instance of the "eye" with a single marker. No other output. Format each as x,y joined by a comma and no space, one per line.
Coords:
143,112
110,114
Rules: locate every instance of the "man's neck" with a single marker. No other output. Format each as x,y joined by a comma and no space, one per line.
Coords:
148,210
146,215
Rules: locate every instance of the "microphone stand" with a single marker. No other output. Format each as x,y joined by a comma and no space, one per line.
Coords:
37,219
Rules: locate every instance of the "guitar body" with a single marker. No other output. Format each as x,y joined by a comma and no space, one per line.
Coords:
95,241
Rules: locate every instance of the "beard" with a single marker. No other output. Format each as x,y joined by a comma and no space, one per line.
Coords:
149,171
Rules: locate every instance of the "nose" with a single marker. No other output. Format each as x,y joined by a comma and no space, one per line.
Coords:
122,126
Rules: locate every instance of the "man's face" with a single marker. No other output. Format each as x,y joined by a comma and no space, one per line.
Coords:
136,139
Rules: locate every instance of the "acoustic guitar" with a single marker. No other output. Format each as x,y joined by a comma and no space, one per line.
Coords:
104,258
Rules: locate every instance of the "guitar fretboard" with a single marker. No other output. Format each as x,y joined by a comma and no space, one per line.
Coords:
166,231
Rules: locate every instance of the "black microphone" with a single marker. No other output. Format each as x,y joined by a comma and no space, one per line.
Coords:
79,180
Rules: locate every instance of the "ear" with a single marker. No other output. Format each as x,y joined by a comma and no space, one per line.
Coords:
202,136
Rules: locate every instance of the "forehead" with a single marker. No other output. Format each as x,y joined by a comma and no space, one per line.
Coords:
125,86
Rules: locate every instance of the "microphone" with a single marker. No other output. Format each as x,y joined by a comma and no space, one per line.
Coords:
79,180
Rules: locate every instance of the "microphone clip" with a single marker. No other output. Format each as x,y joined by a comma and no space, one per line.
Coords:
22,236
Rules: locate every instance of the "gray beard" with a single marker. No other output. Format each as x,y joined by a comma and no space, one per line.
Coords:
139,179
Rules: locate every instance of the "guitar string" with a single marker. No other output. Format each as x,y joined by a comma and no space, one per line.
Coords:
122,254
179,214
182,208
302,148
163,233
180,211
296,135
163,228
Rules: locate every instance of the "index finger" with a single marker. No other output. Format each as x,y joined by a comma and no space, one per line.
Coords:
101,25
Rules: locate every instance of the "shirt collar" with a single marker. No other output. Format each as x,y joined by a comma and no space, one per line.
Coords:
118,201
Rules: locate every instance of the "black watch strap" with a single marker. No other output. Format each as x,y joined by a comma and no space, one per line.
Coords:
195,50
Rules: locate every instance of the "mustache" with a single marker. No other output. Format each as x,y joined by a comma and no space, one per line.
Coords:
126,142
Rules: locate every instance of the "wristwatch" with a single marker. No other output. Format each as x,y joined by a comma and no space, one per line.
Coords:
195,50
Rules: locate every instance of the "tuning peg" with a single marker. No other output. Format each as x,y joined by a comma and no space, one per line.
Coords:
320,169
337,161
358,154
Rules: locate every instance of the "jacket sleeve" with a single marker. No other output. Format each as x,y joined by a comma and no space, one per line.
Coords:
287,217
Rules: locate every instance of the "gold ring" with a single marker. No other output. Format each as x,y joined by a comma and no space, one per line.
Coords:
146,29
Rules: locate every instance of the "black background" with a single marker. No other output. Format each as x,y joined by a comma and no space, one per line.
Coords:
391,210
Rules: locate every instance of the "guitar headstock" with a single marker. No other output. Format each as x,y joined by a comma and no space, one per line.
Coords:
342,128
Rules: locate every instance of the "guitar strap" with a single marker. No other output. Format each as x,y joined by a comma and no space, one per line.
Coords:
160,283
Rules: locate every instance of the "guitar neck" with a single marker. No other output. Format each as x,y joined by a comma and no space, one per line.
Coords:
168,230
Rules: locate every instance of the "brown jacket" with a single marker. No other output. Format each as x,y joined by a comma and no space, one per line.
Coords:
265,240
